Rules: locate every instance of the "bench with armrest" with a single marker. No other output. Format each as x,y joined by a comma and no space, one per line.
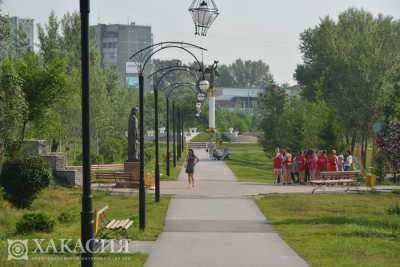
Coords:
343,178
102,225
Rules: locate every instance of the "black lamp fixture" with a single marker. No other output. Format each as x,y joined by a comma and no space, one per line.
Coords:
204,13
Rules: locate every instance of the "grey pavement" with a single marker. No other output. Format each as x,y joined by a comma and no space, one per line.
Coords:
217,224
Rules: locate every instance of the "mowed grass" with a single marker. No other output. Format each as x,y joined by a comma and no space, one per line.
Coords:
204,137
249,163
56,200
337,229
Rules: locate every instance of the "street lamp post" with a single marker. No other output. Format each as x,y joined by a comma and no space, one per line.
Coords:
168,167
178,133
156,83
183,133
87,208
142,57
156,131
142,189
174,132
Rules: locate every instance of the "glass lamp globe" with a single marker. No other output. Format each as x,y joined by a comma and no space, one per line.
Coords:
201,97
204,85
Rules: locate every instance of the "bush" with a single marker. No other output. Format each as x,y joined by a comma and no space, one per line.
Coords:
35,222
394,210
113,150
23,179
65,217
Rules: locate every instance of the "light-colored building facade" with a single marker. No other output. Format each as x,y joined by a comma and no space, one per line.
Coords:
117,42
237,99
27,27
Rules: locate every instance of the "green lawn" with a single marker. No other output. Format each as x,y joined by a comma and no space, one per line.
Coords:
204,137
56,200
337,229
250,163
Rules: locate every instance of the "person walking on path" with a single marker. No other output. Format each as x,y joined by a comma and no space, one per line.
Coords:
278,166
191,161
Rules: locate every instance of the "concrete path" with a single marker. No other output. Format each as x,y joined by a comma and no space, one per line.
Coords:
216,225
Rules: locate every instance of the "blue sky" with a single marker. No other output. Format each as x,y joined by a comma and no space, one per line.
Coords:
253,29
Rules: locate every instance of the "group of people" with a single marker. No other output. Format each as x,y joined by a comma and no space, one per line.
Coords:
307,165
215,154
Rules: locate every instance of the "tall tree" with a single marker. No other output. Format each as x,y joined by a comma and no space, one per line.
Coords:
349,64
12,105
43,85
5,40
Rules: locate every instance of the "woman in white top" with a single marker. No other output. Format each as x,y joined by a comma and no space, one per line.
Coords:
348,161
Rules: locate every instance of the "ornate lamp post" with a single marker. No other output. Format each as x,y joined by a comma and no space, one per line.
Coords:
204,13
156,84
142,57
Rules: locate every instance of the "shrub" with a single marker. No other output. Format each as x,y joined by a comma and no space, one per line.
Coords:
113,150
23,179
65,217
31,222
394,210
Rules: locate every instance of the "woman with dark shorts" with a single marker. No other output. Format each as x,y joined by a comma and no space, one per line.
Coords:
191,161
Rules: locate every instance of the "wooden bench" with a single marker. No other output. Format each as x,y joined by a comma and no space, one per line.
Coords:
339,178
102,225
120,179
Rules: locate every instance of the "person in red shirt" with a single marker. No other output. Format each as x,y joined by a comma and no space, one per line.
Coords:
332,165
286,166
301,164
322,163
278,165
312,160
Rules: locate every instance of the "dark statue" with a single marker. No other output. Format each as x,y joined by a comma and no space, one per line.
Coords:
133,136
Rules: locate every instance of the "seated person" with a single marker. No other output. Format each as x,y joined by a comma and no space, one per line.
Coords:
216,155
226,153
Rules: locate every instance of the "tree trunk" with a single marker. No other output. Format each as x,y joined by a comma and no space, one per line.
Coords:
353,143
23,131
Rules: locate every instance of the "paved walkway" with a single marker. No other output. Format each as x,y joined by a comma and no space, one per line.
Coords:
215,224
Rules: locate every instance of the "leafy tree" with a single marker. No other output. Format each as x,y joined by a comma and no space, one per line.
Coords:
4,35
50,39
349,64
43,85
12,104
272,106
245,74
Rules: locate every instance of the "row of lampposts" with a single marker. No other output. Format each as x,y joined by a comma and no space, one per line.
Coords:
203,13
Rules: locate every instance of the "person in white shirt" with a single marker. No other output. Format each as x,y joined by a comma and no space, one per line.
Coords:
348,161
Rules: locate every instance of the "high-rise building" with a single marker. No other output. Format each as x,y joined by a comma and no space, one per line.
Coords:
27,27
116,43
